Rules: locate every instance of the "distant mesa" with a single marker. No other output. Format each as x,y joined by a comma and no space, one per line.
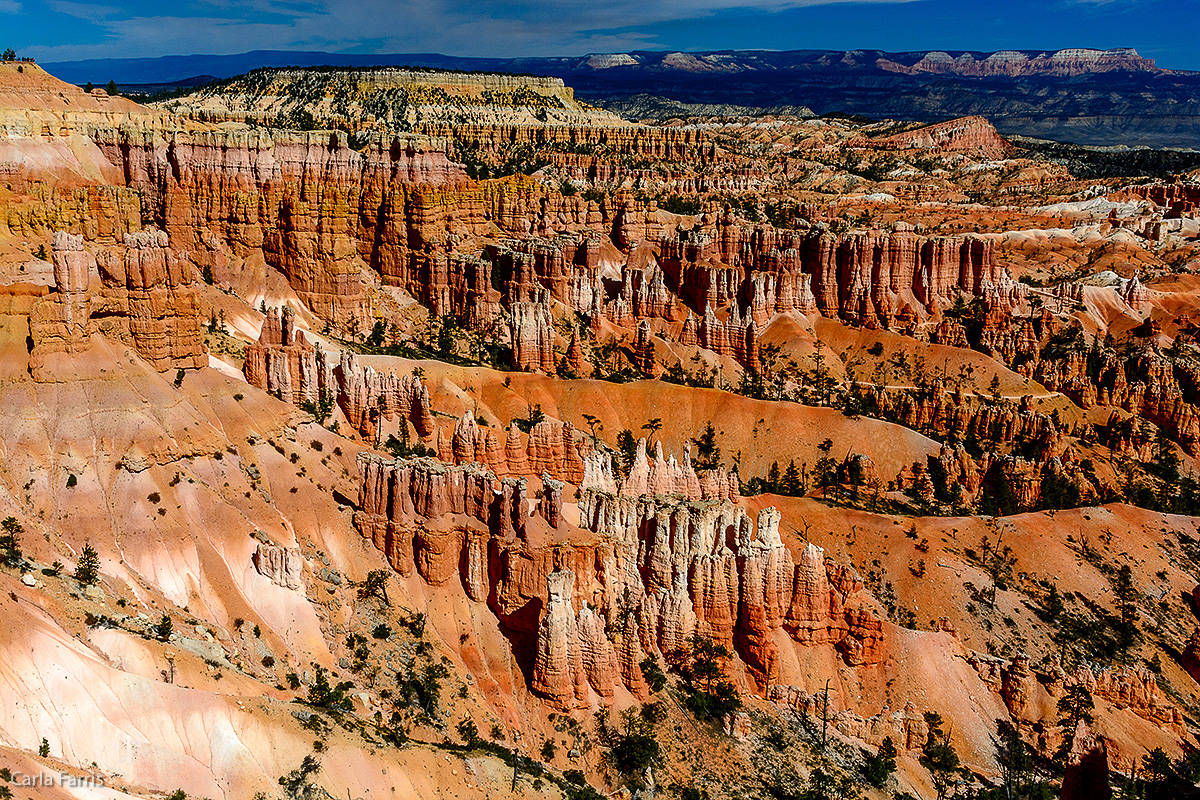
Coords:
1018,63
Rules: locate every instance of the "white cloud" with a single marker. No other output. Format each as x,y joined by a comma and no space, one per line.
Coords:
10,7
483,28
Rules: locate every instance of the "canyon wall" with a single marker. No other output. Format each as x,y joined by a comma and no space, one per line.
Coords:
327,215
283,363
141,292
638,576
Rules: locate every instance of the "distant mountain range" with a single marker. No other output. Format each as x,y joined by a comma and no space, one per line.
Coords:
1095,97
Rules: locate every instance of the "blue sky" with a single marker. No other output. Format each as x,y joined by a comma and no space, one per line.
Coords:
55,30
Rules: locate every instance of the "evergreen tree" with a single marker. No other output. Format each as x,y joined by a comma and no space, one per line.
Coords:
375,585
707,455
1074,706
652,427
627,450
996,497
378,331
879,767
710,695
1126,597
1054,603
825,468
773,482
87,570
10,541
938,755
792,484
1014,759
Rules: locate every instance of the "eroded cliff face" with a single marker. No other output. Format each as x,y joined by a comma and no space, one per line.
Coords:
334,220
1015,63
966,134
1143,382
306,201
640,573
141,292
283,363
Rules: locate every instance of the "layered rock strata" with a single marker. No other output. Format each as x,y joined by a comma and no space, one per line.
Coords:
1146,384
149,298
61,323
283,363
974,135
532,337
551,447
316,209
640,575
145,295
322,212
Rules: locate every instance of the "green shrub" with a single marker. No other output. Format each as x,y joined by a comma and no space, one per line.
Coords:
879,767
323,694
656,679
10,541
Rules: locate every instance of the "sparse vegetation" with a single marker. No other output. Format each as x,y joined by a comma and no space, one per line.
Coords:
10,542
87,569
710,696
329,696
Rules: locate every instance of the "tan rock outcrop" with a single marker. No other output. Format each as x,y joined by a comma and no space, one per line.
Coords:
149,298
283,565
558,670
61,321
974,135
532,338
551,501
146,296
576,362
645,572
283,363
643,351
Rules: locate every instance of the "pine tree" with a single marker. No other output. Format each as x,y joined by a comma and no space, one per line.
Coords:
1126,597
1013,757
707,455
652,427
10,541
87,571
1074,706
879,767
793,484
773,483
938,755
1054,603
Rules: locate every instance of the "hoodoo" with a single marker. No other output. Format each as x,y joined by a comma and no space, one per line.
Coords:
391,431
